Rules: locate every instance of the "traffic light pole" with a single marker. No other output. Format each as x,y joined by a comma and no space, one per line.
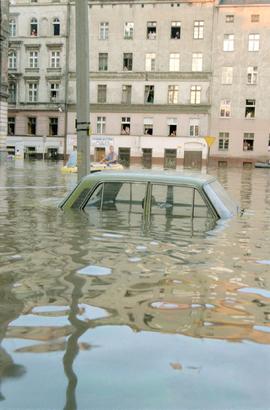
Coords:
82,88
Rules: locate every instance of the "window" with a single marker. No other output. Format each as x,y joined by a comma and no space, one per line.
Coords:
225,108
11,125
56,27
31,125
126,94
12,92
174,63
175,30
176,201
101,125
125,125
250,109
193,127
55,59
103,61
172,127
53,126
127,61
248,141
195,94
223,141
226,75
33,59
197,61
149,93
54,92
151,30
119,196
229,18
252,75
150,62
33,27
104,31
253,42
255,18
12,59
32,92
102,93
128,31
173,94
228,42
12,27
148,126
198,30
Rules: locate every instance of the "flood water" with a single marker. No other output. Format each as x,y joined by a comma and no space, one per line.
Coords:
110,314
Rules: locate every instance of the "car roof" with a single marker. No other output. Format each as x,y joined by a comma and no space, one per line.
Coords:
172,177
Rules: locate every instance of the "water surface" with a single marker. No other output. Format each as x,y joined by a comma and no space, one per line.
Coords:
103,312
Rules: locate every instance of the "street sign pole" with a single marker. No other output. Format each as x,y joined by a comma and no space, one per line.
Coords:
210,141
82,88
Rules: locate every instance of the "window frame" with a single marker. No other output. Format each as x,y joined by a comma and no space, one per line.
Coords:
195,94
197,62
12,59
225,109
56,26
104,30
198,29
128,30
174,62
228,42
101,124
173,94
223,141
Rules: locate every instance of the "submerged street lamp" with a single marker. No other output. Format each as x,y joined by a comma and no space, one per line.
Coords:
82,88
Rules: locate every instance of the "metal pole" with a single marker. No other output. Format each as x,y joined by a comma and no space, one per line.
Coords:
82,71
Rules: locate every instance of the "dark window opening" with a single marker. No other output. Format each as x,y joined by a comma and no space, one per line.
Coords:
127,62
250,109
248,142
34,27
175,32
56,27
11,125
149,94
53,126
172,130
125,125
32,125
148,129
151,31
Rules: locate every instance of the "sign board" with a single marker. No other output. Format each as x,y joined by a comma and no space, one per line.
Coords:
210,140
100,141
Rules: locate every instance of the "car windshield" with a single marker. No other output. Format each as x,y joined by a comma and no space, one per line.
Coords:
224,205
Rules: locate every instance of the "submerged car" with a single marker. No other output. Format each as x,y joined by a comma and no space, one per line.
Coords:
172,194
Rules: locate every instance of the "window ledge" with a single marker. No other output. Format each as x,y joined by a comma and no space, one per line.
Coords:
32,70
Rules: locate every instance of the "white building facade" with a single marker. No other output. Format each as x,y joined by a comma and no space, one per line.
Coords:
155,81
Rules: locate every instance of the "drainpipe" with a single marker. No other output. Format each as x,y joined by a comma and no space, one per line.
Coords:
66,78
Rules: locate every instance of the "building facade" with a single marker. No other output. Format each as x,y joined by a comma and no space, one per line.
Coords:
162,77
4,8
240,117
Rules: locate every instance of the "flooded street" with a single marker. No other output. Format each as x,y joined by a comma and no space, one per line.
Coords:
105,313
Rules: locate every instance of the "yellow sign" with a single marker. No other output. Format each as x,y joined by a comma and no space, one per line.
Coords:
210,140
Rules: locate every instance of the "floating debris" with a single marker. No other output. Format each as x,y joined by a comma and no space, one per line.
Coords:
93,270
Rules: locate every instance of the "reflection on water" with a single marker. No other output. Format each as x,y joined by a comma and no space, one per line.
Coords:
88,300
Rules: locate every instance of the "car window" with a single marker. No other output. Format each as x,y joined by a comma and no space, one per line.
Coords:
201,210
120,196
176,201
220,199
